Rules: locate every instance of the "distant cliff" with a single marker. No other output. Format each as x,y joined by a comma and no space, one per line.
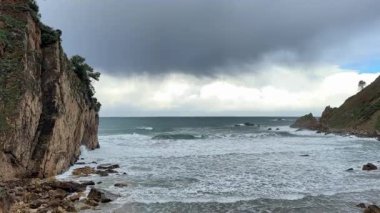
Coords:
46,109
359,114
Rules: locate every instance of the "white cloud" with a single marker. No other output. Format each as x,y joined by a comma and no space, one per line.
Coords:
271,90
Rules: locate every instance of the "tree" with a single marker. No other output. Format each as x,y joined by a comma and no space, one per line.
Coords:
361,85
86,74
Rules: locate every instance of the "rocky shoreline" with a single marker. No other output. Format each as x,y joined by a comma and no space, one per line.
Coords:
52,195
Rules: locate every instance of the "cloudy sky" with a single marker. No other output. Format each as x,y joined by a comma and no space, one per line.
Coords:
221,57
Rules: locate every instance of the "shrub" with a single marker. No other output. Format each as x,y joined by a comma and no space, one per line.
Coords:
86,74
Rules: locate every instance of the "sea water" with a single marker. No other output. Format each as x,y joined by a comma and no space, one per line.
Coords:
231,164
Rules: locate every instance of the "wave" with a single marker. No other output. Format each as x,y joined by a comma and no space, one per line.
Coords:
177,137
145,128
247,124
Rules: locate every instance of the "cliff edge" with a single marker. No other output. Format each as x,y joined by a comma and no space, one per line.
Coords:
47,110
358,115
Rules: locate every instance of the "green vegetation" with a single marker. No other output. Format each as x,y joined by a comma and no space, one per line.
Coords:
49,35
86,74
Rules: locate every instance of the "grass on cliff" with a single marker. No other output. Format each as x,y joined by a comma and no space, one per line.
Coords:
12,82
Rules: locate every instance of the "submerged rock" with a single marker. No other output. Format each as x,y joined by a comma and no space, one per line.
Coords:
369,167
350,169
120,185
108,166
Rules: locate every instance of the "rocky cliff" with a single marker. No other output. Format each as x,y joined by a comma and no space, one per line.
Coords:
359,114
46,112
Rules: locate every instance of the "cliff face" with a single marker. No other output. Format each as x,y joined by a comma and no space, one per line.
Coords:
359,114
45,114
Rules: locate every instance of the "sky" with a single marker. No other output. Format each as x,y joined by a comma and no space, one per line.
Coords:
221,57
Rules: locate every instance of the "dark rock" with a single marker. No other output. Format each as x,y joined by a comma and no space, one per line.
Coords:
121,185
111,171
70,186
102,173
80,163
100,182
350,169
361,205
102,196
94,162
82,158
88,183
108,166
269,129
277,129
369,167
372,209
35,204
305,155
248,124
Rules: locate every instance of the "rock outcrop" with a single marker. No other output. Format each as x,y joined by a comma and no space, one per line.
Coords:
307,121
358,115
46,114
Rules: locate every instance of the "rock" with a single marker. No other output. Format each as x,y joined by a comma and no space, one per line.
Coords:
248,124
350,169
35,204
102,196
108,166
361,205
88,183
102,173
307,122
111,171
277,129
91,202
121,185
305,155
74,197
80,163
372,209
369,167
100,182
94,162
83,171
59,193
269,129
70,186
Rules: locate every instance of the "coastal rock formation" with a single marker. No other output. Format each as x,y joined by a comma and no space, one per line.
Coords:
359,114
46,114
307,121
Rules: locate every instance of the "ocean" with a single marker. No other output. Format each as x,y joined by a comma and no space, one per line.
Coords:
231,164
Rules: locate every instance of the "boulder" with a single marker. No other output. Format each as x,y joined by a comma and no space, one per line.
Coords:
102,196
83,171
369,167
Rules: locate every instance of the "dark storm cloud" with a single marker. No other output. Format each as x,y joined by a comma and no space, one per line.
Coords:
197,36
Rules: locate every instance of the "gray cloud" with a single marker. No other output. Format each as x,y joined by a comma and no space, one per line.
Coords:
200,36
